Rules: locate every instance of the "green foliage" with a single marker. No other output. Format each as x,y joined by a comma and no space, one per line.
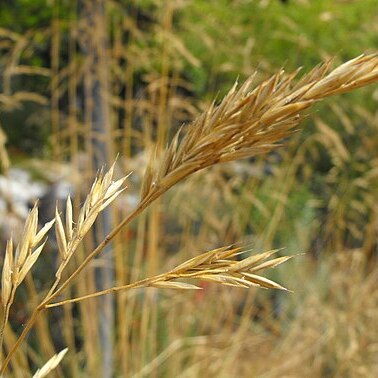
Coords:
229,39
27,132
234,37
23,15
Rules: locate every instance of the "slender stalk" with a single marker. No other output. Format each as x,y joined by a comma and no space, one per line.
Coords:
141,283
21,338
6,316
55,48
3,324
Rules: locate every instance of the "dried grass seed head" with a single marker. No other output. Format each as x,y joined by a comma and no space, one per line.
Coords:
250,121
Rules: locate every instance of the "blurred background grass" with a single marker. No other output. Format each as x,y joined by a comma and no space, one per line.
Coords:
157,64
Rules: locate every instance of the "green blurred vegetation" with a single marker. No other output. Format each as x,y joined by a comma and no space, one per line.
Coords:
227,40
233,38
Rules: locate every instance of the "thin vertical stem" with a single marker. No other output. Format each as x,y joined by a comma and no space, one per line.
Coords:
55,48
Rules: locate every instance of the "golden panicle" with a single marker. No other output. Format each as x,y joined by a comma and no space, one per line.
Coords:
219,266
103,191
250,121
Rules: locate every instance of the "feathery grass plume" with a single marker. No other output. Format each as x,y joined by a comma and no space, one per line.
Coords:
50,365
216,266
251,121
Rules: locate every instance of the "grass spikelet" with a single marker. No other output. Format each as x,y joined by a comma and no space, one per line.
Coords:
50,365
27,249
220,267
42,232
28,235
6,277
270,264
29,262
252,260
69,218
60,235
216,266
103,191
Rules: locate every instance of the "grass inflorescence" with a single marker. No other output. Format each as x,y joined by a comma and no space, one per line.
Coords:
249,121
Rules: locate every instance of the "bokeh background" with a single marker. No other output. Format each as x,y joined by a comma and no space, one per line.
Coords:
82,81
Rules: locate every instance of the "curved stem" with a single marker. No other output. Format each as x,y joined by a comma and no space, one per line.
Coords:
3,324
142,283
5,317
21,338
